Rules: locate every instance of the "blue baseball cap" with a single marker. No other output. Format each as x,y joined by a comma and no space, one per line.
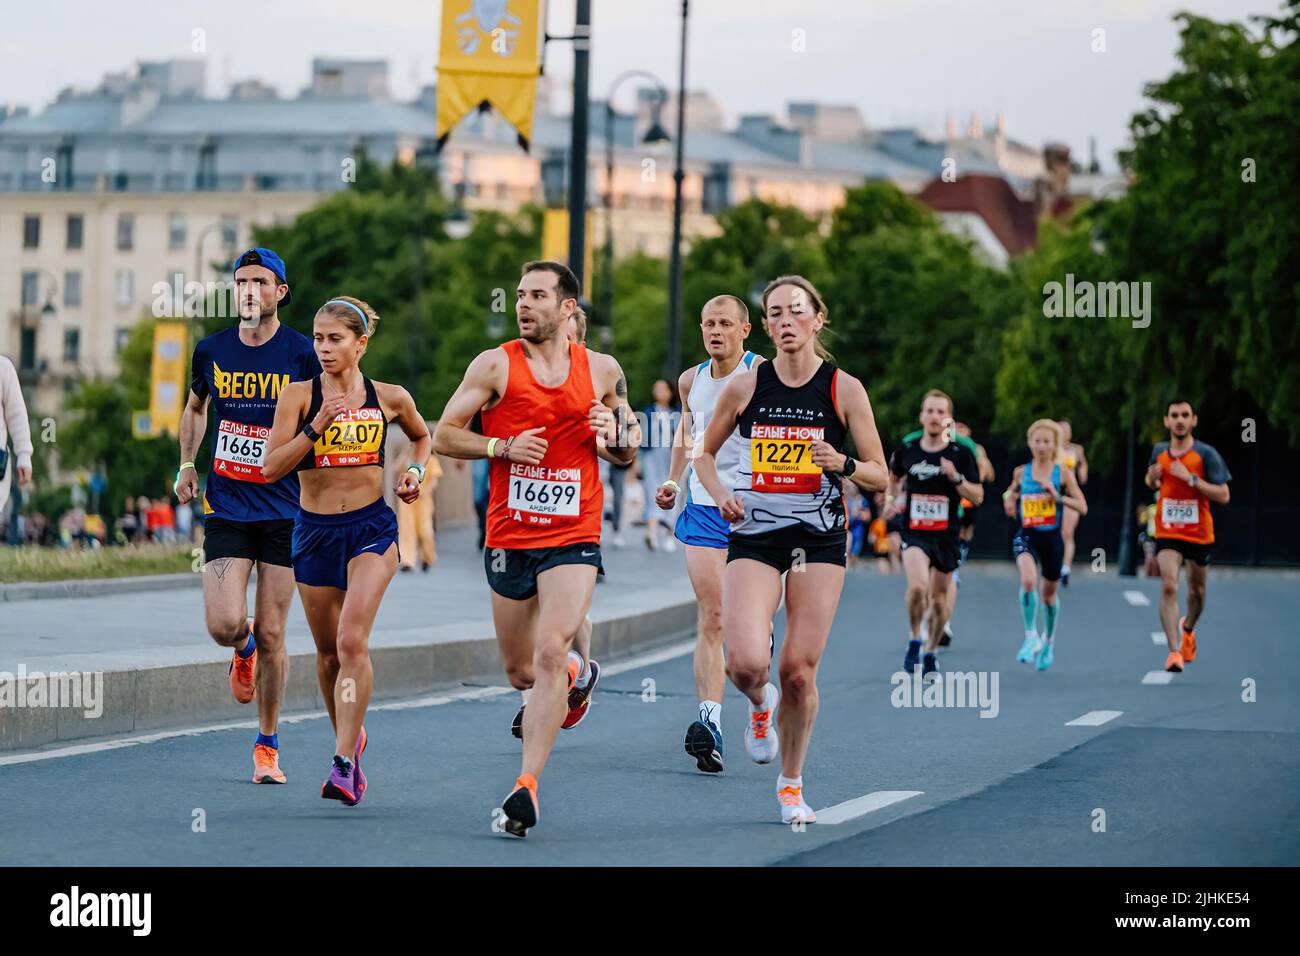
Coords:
261,256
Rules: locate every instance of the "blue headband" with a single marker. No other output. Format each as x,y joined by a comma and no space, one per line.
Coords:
364,324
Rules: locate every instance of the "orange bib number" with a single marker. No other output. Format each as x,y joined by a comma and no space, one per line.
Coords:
780,459
1037,510
351,439
240,451
928,513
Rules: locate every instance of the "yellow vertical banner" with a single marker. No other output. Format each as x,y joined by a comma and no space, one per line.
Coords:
168,378
489,51
555,241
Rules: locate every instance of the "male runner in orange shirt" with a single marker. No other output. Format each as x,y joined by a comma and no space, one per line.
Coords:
1190,474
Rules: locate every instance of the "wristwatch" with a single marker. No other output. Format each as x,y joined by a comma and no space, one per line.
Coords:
850,466
1192,481
310,432
417,470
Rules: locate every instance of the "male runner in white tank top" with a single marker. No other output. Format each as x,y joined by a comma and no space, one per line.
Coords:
724,321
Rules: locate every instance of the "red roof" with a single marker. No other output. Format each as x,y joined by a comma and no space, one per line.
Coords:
1010,218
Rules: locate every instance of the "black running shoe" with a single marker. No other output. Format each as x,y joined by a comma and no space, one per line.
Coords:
517,726
521,809
704,743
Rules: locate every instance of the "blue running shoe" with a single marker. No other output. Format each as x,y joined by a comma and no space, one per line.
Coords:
929,665
1029,649
704,743
913,657
1045,656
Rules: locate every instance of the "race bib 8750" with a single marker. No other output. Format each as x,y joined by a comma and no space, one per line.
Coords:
780,458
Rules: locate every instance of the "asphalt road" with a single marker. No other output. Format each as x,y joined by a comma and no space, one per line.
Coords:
1187,774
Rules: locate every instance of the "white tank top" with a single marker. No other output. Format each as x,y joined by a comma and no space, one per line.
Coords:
701,401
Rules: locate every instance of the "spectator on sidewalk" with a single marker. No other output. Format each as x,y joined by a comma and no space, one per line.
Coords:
15,465
162,522
415,522
662,416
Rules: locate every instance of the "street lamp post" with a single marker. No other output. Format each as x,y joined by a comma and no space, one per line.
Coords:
655,134
578,140
673,357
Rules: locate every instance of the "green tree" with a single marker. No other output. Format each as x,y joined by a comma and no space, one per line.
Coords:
1210,222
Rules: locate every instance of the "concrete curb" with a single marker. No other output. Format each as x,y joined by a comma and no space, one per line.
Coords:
93,587
156,698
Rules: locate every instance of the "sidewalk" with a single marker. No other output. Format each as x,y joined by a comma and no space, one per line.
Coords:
162,669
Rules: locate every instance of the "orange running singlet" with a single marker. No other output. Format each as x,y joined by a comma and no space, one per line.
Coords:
1183,512
560,501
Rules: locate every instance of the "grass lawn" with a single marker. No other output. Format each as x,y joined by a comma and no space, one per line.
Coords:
59,564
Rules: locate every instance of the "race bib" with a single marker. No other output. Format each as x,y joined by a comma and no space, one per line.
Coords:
928,513
536,490
1176,511
353,438
780,458
1037,510
240,451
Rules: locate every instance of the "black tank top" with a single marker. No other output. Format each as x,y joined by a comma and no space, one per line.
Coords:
777,482
355,438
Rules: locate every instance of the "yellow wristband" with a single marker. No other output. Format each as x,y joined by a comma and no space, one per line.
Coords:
492,445
184,465
671,484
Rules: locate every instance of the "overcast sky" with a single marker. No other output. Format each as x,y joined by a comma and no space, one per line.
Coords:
902,62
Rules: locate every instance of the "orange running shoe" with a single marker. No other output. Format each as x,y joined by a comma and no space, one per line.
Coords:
1188,647
521,808
266,765
242,670
1174,662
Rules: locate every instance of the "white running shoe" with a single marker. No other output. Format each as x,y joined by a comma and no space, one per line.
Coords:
761,741
793,807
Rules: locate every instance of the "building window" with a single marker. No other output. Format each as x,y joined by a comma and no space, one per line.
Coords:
72,345
72,288
176,231
31,287
27,350
120,339
125,232
31,232
125,286
207,172
230,230
75,226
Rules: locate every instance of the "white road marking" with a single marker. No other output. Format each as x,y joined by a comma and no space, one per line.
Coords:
1094,718
469,693
1157,637
1158,677
1136,598
860,806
